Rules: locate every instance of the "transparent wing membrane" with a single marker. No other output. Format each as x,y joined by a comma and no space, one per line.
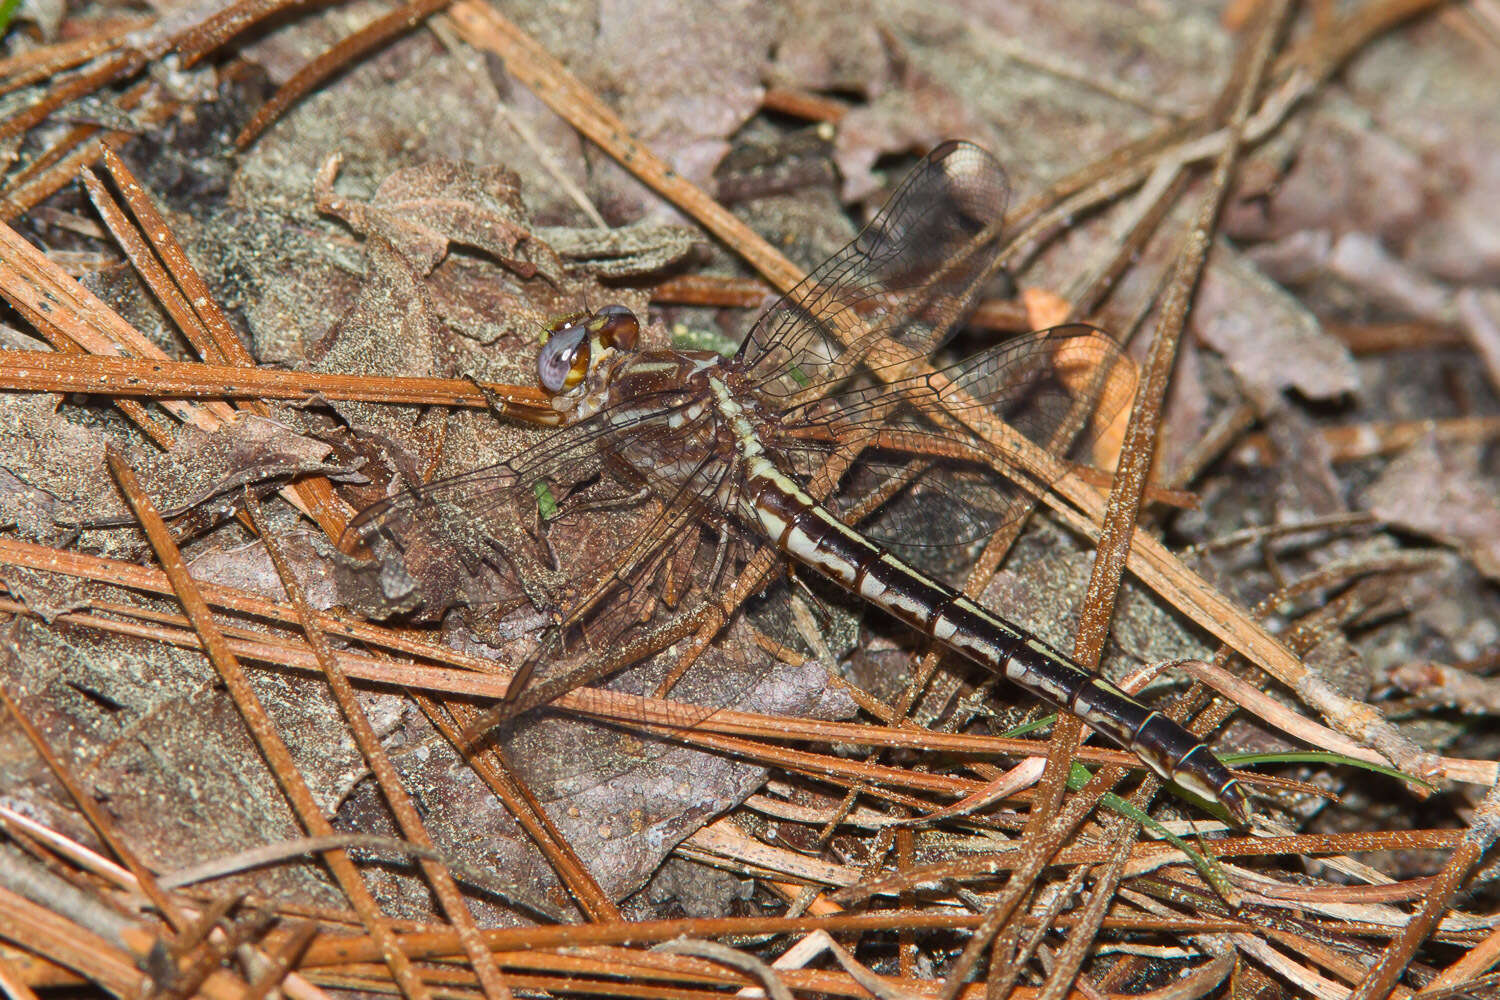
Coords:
908,276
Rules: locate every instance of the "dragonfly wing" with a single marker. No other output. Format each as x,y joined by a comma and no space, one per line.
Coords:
909,275
493,535
589,528
593,645
946,487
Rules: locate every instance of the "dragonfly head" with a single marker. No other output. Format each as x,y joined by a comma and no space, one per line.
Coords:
577,342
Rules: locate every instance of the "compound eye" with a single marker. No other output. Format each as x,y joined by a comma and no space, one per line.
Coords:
564,360
617,326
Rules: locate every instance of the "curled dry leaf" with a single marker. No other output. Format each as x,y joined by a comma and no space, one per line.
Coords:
165,748
625,823
685,77
420,210
1270,340
53,482
625,252
1440,491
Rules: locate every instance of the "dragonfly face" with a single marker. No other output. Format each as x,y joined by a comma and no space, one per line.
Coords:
577,343
578,362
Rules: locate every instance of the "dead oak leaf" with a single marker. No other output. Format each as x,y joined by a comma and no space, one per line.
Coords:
421,210
1442,493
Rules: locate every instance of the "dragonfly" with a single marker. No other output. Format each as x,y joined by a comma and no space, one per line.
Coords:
809,426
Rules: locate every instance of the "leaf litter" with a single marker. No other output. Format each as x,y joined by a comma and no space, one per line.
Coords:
446,263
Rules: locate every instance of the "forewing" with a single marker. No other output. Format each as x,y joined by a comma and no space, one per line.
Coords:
909,275
602,621
1062,390
594,543
492,535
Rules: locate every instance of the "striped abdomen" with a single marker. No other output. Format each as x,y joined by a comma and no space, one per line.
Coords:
809,533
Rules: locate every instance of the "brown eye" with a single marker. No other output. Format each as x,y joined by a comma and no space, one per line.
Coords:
564,360
616,326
